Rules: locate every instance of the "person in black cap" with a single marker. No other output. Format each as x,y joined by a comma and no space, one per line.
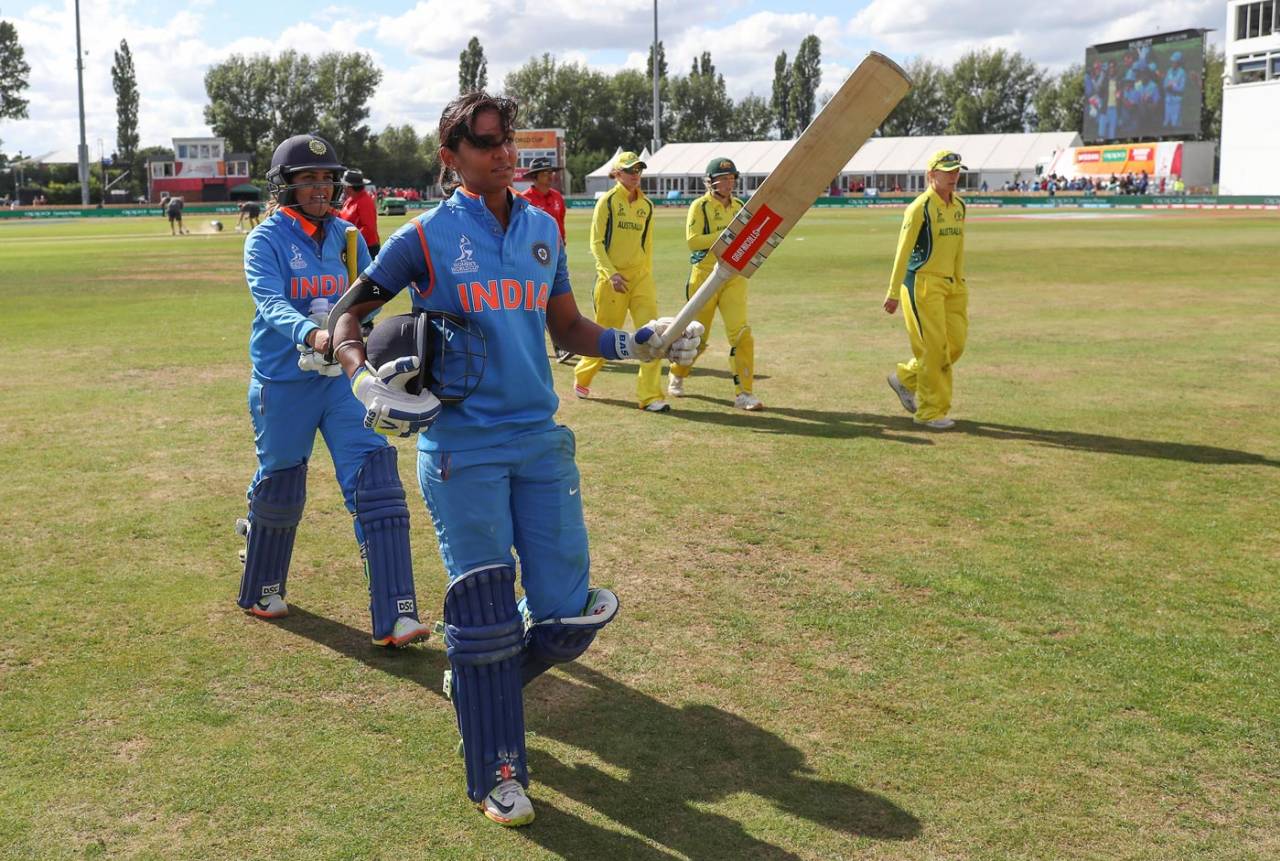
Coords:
358,208
542,172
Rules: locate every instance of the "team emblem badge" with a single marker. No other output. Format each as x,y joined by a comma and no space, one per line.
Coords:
464,263
295,258
316,146
542,253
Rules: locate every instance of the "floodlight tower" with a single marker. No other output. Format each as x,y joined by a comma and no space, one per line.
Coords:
84,147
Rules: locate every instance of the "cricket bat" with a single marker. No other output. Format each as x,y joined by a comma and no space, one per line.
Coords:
857,109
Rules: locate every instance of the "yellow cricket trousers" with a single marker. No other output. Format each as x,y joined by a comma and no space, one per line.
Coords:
936,311
641,300
731,299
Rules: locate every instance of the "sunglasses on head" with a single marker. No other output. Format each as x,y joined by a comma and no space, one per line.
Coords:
950,157
634,171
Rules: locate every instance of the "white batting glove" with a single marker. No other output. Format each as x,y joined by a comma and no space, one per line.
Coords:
684,349
389,408
310,360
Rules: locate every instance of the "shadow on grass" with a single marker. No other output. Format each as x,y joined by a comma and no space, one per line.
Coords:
672,761
901,428
1103,444
631,369
415,663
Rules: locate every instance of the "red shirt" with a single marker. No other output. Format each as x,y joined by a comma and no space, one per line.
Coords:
358,208
551,201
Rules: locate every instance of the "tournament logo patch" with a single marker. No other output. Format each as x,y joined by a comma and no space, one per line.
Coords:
464,262
295,258
542,253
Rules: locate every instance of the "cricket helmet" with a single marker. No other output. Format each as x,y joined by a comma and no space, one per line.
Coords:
451,350
721,166
299,153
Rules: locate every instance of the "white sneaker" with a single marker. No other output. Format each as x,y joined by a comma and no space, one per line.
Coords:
675,386
657,407
904,394
748,401
581,391
506,804
270,607
939,423
405,631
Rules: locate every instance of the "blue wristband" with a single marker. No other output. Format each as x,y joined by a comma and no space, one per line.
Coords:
609,344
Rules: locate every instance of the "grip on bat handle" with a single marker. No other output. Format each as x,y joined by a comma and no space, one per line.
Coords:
701,297
352,261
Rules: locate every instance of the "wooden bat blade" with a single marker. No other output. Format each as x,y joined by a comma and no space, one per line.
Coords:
862,103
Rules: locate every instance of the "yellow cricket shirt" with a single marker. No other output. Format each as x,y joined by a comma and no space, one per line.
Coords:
622,232
707,218
931,241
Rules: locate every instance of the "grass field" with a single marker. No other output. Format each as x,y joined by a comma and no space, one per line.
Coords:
1048,634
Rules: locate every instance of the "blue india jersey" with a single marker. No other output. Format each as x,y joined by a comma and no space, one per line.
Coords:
457,258
286,271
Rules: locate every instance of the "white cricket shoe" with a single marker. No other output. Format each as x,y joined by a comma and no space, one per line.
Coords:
270,607
905,395
657,407
941,423
748,401
675,386
581,391
405,631
506,804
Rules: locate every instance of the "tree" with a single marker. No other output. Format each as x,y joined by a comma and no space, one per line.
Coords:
14,70
345,82
992,91
238,90
924,110
1211,116
1059,103
752,119
806,75
781,101
662,63
629,117
124,81
473,69
567,96
701,109
294,96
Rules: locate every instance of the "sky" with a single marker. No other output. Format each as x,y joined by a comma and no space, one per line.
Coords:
174,43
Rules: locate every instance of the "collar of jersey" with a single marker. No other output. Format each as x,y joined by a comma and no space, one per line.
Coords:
934,194
473,202
308,226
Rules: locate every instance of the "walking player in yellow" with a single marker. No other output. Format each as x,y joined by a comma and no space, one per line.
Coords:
708,216
929,264
622,244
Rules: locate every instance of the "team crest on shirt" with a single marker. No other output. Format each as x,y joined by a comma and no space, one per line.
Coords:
464,263
295,258
542,253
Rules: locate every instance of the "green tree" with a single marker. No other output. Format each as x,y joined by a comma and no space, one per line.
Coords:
397,157
238,90
781,100
629,118
473,69
345,82
752,119
925,109
1059,103
662,63
14,70
294,97
124,81
701,109
1211,115
992,91
806,75
566,96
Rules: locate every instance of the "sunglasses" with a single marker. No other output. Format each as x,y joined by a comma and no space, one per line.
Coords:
634,171
950,158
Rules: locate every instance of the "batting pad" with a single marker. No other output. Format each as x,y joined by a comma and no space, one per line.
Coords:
559,641
275,507
484,635
383,516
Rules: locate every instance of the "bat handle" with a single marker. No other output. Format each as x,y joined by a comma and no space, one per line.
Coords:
701,297
352,262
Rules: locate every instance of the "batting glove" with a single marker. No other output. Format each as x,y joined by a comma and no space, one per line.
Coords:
389,408
310,360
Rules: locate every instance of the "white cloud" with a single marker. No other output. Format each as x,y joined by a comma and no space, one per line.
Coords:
1054,34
